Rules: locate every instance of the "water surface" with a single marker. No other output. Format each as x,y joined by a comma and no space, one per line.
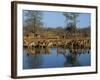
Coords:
55,57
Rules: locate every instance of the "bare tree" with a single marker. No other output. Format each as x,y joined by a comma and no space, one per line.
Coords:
32,19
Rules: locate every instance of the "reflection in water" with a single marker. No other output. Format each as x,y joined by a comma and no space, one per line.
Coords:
55,57
31,61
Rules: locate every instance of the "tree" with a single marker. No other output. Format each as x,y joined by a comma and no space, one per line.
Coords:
70,27
71,17
32,19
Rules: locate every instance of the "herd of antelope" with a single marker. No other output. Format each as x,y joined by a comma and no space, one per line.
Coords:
65,43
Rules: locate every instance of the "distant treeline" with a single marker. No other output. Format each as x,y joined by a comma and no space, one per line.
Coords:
59,31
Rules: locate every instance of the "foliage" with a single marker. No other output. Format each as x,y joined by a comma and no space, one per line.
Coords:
71,17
